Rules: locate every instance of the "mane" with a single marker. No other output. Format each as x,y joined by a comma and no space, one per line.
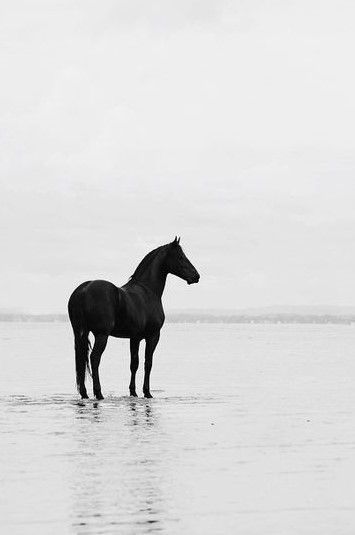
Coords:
142,266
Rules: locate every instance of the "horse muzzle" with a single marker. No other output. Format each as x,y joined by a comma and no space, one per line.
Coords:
194,280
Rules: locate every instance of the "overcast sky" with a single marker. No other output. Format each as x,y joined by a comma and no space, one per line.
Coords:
230,123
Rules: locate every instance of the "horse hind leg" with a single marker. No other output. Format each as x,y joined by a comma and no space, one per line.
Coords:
95,357
134,348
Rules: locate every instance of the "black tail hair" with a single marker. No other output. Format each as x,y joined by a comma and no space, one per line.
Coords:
82,351
81,339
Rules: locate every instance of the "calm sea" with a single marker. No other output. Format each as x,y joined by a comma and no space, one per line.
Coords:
251,431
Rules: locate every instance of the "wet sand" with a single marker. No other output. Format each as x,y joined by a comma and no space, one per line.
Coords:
251,431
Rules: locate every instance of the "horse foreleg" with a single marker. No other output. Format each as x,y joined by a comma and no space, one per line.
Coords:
134,348
150,345
95,357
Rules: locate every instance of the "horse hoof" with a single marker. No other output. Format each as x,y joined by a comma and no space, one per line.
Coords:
84,396
99,396
148,395
133,394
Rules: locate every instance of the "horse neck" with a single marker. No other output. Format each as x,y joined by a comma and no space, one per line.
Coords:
154,277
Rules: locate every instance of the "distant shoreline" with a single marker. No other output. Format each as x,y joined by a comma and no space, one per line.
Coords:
191,317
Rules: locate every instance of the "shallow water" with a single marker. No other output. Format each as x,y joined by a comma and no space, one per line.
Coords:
251,431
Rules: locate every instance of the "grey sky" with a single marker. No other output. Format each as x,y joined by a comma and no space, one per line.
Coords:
231,124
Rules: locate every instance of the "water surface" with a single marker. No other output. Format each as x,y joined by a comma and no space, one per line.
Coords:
251,431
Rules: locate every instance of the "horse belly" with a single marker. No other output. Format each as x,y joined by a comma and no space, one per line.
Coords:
125,332
137,326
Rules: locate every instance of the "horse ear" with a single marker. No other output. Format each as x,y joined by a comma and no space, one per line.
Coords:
178,240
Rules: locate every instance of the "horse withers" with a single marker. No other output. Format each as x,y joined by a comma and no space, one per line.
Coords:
133,311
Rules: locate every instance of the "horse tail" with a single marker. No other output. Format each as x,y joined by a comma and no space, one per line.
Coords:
81,339
82,351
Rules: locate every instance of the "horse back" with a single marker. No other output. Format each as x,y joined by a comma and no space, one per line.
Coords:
127,312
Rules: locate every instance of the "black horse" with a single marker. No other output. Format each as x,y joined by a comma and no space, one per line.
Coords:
133,311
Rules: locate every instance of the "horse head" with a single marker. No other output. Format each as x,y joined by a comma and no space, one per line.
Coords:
178,264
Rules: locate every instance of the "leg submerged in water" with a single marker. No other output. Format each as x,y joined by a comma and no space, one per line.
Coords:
134,347
95,357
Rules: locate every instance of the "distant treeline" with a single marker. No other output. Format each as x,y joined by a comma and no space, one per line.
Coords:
48,318
260,318
186,317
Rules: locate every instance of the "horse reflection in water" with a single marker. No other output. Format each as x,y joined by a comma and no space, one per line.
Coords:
143,416
134,311
132,476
